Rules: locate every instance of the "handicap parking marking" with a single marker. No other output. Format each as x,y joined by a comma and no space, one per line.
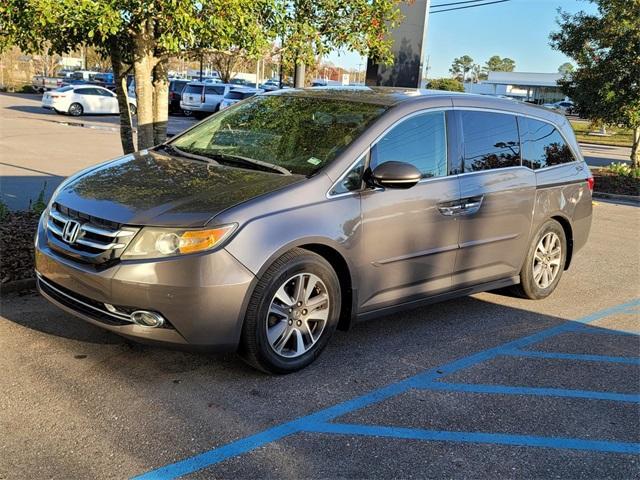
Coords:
319,422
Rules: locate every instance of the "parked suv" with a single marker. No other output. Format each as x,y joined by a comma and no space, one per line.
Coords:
296,212
202,99
176,86
237,94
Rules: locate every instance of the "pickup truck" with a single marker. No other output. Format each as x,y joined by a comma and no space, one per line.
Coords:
41,84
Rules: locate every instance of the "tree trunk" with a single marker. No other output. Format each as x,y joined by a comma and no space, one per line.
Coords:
143,68
160,101
635,148
299,75
120,79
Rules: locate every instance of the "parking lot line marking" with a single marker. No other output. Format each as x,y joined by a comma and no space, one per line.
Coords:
536,391
246,444
591,330
571,356
475,437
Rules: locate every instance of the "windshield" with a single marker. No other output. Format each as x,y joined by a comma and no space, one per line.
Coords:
298,134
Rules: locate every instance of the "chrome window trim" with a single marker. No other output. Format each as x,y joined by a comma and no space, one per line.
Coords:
577,158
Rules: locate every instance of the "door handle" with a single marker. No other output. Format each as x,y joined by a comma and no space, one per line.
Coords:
471,205
450,209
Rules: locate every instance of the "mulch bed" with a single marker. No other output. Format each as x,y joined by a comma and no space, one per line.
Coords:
17,231
607,182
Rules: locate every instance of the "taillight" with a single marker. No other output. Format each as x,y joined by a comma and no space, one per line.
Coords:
591,182
55,96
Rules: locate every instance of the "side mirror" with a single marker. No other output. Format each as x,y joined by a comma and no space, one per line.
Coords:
395,175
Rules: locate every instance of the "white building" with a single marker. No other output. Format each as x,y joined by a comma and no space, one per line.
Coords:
528,86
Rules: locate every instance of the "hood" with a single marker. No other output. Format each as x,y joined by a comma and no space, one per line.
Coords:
153,188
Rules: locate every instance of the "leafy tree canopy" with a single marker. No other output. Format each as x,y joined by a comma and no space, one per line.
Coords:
498,64
606,48
449,84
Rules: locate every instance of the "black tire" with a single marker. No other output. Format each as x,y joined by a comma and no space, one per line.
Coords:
75,110
133,109
255,348
187,113
528,287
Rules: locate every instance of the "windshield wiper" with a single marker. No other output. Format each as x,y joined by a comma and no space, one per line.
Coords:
181,153
250,162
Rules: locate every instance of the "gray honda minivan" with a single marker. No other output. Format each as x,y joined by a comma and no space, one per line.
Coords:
293,213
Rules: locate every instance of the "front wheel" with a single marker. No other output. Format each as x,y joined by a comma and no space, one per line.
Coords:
292,313
545,262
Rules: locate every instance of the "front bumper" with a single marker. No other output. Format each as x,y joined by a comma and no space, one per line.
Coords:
203,297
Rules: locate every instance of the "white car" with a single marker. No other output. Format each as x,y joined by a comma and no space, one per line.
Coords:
78,100
565,107
238,94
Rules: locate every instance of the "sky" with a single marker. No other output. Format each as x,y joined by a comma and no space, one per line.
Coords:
518,29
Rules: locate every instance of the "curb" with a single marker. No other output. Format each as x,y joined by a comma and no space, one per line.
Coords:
17,286
634,199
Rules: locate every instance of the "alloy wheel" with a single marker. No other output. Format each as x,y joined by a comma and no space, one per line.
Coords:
546,260
297,315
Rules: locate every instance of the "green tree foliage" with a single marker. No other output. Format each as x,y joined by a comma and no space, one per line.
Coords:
606,48
139,36
449,84
312,28
498,64
460,67
566,68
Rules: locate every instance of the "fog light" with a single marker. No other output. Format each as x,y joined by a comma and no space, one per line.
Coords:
147,319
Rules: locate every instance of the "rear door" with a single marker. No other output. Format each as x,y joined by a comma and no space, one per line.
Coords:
497,197
410,237
214,95
90,99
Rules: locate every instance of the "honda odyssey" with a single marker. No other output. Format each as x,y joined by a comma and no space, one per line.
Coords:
296,212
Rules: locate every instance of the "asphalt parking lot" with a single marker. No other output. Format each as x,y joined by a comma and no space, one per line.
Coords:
487,386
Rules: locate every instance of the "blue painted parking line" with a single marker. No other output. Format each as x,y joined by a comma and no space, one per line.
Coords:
474,437
591,330
571,356
320,419
535,391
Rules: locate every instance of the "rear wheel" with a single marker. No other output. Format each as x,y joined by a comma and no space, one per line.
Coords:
292,313
545,262
187,113
75,110
133,109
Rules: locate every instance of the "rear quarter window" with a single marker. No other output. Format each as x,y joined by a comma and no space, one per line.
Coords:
542,145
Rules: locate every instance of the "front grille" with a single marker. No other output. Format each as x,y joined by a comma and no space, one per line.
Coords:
82,304
98,241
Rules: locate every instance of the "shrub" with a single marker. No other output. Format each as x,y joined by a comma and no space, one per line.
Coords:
624,170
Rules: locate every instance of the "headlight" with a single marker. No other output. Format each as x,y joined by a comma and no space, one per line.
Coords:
154,242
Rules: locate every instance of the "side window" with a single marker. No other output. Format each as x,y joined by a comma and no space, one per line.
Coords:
84,91
211,90
351,181
542,145
490,140
420,140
